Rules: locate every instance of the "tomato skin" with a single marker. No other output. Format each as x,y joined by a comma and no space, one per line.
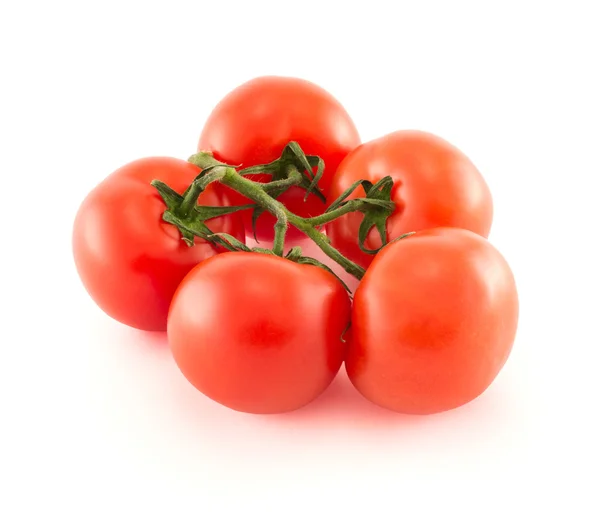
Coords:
434,185
253,123
258,333
434,320
130,260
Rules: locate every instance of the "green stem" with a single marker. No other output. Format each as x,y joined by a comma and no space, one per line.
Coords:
261,195
281,226
322,241
351,206
294,178
190,198
256,193
183,211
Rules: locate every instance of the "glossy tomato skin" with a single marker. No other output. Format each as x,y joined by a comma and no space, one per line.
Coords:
435,184
255,121
258,333
433,322
130,260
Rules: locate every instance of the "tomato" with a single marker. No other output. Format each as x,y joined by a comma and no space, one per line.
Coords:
434,185
433,322
259,333
255,121
130,260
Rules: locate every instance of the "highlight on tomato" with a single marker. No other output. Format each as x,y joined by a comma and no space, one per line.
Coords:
433,322
259,333
435,185
129,259
253,123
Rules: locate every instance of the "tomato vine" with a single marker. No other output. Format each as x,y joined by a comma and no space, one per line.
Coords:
293,168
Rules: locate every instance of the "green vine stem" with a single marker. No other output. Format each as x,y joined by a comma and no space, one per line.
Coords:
190,198
354,205
184,212
249,189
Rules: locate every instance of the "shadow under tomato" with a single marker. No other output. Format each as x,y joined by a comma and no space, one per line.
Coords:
153,339
341,405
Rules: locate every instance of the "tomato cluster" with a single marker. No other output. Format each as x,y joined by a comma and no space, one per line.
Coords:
160,245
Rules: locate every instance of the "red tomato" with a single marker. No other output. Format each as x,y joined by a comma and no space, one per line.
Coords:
258,333
433,322
255,121
434,185
129,259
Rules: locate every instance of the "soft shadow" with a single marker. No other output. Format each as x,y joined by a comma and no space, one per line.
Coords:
341,405
153,339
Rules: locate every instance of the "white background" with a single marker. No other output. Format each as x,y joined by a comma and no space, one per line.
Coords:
96,417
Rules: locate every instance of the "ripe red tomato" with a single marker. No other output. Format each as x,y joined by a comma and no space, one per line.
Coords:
434,185
255,121
258,333
433,322
130,260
